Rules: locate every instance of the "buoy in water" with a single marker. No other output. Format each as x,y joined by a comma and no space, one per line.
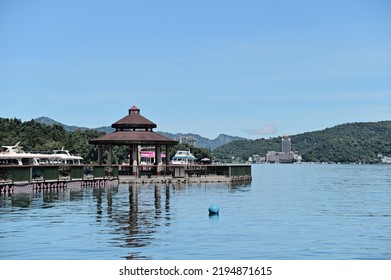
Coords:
214,210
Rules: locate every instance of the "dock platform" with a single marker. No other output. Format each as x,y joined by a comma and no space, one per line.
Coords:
15,178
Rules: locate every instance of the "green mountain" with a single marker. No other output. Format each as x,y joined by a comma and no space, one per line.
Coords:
45,134
346,143
49,121
201,142
35,136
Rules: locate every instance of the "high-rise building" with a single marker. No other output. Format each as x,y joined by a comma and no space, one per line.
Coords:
286,155
286,144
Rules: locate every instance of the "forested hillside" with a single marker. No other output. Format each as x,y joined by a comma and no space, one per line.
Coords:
34,136
353,142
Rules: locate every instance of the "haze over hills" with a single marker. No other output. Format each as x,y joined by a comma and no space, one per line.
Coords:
202,142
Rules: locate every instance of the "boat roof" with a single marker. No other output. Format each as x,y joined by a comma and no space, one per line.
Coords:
26,155
184,154
184,157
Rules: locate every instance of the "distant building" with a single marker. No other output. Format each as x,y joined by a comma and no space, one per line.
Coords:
286,146
286,155
258,159
279,157
187,140
272,157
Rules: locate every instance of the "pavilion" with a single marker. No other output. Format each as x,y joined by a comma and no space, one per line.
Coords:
134,130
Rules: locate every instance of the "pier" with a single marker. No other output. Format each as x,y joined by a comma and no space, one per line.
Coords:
133,131
185,173
35,178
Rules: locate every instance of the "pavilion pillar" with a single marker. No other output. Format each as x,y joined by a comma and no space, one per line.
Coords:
110,159
167,158
158,159
100,154
130,159
134,159
130,155
168,154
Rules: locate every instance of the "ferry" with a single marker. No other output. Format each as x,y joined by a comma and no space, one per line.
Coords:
14,155
64,157
183,158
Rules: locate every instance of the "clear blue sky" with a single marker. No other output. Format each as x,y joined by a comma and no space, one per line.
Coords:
247,68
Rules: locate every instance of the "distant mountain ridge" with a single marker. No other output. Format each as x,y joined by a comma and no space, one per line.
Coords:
201,142
49,121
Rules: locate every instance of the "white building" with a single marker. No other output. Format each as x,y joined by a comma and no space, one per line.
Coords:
187,140
286,146
286,155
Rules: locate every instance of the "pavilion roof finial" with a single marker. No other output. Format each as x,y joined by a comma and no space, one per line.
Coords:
134,110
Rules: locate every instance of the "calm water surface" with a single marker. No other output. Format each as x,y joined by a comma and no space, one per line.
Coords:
286,212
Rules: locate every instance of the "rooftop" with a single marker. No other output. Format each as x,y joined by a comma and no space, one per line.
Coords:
134,120
133,129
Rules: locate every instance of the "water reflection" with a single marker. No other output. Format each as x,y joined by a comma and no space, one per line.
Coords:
99,195
214,217
21,201
138,226
131,218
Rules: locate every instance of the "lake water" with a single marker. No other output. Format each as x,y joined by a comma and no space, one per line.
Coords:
287,212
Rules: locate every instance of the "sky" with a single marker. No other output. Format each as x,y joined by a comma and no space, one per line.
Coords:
249,68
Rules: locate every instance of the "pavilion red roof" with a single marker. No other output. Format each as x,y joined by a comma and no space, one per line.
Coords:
133,129
134,137
134,121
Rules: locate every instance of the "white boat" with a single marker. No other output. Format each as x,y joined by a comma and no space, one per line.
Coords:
384,159
183,157
64,157
14,155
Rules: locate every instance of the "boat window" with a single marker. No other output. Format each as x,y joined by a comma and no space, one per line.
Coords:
9,162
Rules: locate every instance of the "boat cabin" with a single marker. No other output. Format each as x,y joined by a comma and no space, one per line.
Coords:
183,157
